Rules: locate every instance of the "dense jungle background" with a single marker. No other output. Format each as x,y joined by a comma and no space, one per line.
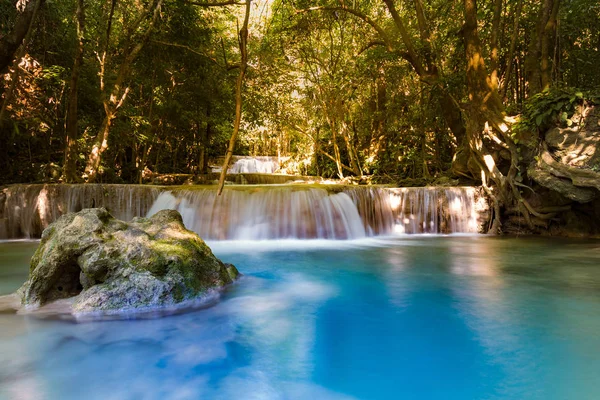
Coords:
501,93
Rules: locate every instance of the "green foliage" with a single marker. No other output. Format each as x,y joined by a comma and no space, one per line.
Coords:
315,79
553,107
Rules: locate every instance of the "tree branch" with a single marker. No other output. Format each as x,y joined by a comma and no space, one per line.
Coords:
372,43
323,152
188,48
216,4
416,61
13,39
384,36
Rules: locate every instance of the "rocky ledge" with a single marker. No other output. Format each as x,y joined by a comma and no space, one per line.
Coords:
105,264
567,165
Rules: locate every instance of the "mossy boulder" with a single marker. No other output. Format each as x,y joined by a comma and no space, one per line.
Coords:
107,264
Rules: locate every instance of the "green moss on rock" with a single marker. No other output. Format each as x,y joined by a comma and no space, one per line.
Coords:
114,265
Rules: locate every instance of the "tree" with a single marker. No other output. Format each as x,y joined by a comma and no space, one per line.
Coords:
243,43
114,94
69,165
538,59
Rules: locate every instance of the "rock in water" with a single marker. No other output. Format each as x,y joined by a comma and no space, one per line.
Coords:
107,264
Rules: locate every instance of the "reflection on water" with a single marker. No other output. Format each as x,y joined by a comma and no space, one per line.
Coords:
427,317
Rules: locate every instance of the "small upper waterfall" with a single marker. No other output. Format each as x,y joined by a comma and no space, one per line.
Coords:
250,165
261,165
256,212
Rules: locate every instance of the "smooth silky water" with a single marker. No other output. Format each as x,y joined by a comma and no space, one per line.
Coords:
460,317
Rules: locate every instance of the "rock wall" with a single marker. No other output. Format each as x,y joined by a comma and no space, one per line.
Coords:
567,169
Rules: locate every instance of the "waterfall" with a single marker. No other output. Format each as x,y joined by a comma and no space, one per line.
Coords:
309,213
251,165
256,212
261,165
373,205
436,210
265,213
26,210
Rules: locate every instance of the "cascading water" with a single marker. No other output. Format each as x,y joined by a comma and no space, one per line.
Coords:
278,213
310,213
26,210
255,213
436,210
373,205
251,165
261,165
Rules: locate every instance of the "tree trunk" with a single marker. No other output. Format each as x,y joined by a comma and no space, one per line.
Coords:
425,36
205,140
114,99
10,43
28,15
413,56
423,131
485,118
494,56
533,68
485,104
449,107
352,154
336,149
338,158
379,111
95,157
547,42
511,51
317,151
453,116
243,43
70,162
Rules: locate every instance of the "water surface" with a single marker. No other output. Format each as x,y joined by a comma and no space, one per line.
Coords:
404,318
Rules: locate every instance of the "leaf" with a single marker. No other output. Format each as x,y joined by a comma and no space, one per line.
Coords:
539,119
569,122
579,95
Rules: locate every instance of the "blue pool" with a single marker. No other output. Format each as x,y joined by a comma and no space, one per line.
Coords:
400,318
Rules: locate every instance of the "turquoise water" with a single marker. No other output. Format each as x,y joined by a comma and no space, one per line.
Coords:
406,318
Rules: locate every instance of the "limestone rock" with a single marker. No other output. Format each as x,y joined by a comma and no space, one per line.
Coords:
568,161
107,264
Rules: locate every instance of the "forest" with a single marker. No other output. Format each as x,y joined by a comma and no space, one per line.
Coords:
299,199
406,93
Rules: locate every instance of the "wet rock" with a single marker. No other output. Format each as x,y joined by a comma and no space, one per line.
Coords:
107,264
